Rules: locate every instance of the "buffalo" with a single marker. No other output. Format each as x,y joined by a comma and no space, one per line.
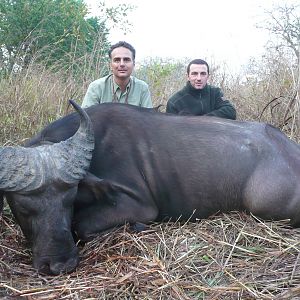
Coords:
145,166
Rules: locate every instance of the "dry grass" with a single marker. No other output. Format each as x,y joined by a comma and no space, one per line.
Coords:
230,256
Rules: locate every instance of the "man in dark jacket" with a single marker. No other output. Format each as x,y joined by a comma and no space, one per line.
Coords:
198,98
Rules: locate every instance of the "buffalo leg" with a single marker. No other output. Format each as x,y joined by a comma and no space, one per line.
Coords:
100,217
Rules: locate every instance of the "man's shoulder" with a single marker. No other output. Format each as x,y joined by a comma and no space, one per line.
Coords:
139,82
213,88
178,95
100,81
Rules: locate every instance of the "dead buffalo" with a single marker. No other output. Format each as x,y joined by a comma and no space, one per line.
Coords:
146,166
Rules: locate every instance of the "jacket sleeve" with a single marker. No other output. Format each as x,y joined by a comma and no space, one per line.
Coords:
171,108
223,108
92,96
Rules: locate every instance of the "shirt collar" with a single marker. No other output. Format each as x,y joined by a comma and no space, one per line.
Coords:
116,87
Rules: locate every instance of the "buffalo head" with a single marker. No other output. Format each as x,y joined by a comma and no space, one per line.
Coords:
40,185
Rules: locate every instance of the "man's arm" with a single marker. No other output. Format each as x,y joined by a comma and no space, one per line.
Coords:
146,98
92,96
171,109
223,108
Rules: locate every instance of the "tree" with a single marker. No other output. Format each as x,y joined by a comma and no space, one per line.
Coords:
282,67
284,22
50,31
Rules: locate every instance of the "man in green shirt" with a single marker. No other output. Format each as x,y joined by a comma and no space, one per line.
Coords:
198,98
119,86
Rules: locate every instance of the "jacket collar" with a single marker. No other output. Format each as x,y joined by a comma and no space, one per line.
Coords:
194,91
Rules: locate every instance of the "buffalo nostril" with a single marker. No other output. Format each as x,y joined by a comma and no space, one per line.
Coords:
44,269
72,264
56,264
41,265
59,267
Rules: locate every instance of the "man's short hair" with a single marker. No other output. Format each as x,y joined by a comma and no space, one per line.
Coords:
197,61
122,44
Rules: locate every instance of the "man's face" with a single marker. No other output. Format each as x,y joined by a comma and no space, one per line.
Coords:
121,63
198,76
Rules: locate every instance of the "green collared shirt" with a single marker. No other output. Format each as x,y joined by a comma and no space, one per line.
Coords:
106,90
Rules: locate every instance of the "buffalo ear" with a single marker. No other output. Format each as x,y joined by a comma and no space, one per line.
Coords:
103,190
1,201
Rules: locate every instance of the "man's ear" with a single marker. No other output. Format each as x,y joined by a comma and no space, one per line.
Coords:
1,201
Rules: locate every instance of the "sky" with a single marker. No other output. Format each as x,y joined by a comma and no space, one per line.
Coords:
218,30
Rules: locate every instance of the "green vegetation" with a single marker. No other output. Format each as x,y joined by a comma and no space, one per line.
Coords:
54,32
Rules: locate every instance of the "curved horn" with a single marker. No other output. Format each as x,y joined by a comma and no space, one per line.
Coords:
72,157
26,169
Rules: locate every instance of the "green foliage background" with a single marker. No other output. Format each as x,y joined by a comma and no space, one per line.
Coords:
53,32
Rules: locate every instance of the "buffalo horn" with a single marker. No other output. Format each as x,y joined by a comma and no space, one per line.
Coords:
27,169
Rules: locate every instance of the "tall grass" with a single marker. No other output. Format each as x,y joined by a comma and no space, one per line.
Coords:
267,90
35,96
31,99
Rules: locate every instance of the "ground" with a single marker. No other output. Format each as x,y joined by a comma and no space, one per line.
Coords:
229,256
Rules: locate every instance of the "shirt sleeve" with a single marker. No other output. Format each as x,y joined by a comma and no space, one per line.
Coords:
146,98
92,96
223,108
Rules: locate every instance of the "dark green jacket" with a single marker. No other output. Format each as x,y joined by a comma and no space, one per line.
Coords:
208,101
